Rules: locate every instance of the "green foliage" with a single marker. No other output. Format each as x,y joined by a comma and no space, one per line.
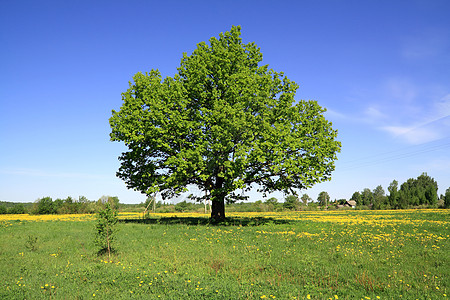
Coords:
271,201
357,198
58,203
366,197
393,194
73,206
63,206
305,199
222,123
113,202
271,204
341,201
323,198
184,206
44,206
17,209
420,191
291,202
447,198
380,201
14,207
312,206
31,242
107,219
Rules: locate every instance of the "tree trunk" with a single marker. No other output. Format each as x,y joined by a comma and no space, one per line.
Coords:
218,208
218,199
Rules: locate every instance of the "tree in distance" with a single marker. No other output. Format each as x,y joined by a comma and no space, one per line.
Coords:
271,201
224,123
447,198
323,198
305,199
291,202
379,198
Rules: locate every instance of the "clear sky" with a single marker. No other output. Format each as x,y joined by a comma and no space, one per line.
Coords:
381,68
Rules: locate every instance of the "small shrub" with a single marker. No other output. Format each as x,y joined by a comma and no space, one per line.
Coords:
106,229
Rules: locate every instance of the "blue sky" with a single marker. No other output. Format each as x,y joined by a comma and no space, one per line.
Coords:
381,68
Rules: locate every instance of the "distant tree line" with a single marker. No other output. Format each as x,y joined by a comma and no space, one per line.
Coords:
420,192
12,208
47,205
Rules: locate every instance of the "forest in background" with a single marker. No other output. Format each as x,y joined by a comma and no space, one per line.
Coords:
420,192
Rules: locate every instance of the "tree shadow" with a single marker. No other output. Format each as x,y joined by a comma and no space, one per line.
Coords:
232,221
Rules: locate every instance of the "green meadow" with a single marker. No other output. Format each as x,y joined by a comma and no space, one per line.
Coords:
296,255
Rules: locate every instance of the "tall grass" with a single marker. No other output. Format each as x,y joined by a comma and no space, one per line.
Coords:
317,255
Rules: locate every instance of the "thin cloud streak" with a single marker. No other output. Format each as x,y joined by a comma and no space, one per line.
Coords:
411,113
423,133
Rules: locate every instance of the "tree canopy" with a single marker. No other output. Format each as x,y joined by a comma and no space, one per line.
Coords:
323,198
415,192
224,123
420,191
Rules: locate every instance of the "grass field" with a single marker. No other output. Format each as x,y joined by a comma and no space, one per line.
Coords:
402,254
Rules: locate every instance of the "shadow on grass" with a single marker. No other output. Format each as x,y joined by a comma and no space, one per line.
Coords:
233,221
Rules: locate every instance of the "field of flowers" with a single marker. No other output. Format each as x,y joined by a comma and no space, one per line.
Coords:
403,254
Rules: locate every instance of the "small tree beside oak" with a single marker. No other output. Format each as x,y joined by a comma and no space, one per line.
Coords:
107,219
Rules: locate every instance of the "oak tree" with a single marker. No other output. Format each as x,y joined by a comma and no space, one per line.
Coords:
225,123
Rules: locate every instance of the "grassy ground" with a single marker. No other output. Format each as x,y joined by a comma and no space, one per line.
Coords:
297,255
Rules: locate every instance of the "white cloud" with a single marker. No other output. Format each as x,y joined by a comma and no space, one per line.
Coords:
423,133
396,130
334,114
374,114
414,136
412,113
